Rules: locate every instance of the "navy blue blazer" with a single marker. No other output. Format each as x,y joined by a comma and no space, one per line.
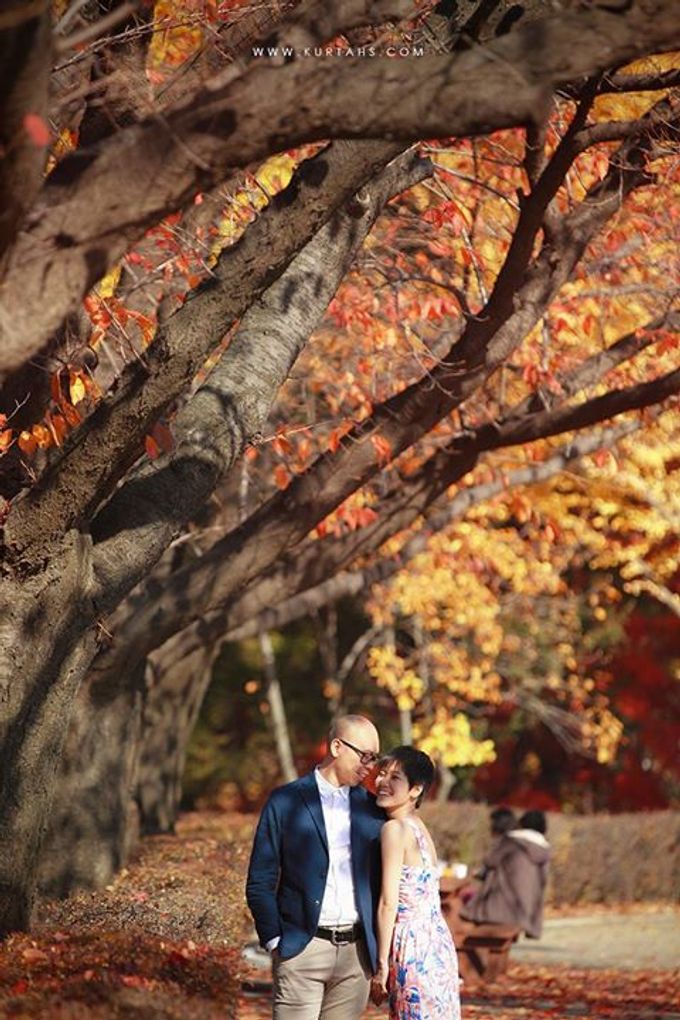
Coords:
289,865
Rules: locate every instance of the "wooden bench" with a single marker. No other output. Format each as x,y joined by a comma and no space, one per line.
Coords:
484,951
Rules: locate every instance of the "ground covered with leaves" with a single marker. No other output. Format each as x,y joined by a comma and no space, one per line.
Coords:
164,941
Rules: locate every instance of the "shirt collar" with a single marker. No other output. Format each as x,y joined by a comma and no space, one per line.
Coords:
327,790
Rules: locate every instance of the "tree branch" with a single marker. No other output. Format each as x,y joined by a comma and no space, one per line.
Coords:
88,218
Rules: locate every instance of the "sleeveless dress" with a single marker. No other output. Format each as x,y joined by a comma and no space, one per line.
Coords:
423,967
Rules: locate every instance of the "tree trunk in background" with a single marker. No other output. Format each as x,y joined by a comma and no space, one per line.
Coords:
175,692
447,783
406,725
277,710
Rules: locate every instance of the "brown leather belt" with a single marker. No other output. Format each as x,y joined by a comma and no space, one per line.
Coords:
340,936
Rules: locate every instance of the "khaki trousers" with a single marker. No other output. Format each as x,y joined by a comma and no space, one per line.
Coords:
323,982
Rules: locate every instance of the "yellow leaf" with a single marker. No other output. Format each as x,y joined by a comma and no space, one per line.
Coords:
76,388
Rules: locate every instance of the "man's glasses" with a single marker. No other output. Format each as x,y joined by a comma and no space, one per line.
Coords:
365,757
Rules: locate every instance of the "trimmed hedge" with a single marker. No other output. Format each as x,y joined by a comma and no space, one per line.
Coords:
596,858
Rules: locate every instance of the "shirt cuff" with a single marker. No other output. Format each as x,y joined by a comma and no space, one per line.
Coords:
273,943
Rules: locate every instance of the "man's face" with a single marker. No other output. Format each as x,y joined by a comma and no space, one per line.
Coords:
356,753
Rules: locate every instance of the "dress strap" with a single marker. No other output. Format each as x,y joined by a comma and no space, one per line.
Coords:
420,839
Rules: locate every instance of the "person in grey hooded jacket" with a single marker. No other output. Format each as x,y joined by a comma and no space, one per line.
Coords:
515,876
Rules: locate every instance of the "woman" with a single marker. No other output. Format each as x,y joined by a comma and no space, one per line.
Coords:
417,965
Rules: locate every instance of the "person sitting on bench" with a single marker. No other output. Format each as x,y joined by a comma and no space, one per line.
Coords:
514,878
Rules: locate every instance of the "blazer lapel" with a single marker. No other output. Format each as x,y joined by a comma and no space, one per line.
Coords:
310,794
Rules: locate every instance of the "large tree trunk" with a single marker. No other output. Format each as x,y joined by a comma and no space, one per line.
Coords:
122,767
93,824
43,658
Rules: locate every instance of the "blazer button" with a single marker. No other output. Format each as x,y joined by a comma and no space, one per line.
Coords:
317,902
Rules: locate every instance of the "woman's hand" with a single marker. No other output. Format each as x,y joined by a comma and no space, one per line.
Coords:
378,992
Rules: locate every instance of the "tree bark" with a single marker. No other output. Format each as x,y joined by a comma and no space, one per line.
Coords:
43,657
175,694
157,165
93,824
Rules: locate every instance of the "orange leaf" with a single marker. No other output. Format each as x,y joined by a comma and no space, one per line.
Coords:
382,449
334,439
57,426
5,439
27,444
42,436
282,445
151,447
281,476
72,416
37,130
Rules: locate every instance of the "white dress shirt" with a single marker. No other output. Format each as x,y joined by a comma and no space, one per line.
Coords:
338,906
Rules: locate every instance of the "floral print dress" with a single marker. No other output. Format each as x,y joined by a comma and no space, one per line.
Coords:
423,973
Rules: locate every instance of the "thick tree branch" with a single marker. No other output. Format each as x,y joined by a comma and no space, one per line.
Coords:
87,218
233,406
25,61
111,438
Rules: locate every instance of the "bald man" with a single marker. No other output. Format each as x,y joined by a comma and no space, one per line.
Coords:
314,880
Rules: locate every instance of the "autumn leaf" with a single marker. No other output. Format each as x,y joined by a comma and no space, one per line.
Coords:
282,445
382,448
33,955
281,476
76,387
151,447
42,436
71,415
163,437
37,130
27,443
57,426
334,440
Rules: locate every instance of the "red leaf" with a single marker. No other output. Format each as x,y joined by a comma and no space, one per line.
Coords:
163,437
37,130
281,476
151,447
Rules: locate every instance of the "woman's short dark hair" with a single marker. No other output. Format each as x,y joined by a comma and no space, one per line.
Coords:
417,766
535,820
502,820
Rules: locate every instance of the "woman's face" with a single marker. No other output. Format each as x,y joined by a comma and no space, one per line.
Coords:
393,790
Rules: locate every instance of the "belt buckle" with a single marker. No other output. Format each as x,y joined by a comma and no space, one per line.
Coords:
338,937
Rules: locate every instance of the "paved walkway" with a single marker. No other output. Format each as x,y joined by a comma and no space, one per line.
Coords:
621,941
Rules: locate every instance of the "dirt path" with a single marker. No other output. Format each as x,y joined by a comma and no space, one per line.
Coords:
625,941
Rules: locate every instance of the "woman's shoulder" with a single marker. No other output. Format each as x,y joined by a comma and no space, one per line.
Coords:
394,831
